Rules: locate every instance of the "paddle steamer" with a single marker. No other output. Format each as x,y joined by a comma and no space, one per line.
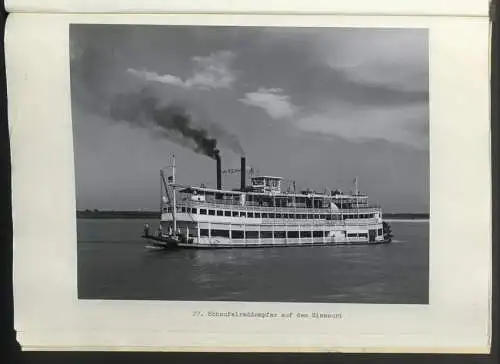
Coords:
261,214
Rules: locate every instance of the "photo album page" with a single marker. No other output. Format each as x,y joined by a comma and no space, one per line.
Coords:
286,177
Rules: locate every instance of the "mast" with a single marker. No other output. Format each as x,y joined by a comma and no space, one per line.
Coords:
161,194
174,207
165,184
172,201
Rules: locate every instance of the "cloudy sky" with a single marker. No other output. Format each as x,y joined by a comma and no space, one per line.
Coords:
314,105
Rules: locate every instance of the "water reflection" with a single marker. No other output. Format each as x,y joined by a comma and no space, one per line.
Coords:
123,268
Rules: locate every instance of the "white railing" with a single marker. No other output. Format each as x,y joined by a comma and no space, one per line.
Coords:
240,220
267,209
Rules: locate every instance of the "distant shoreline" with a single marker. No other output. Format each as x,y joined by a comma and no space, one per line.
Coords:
97,214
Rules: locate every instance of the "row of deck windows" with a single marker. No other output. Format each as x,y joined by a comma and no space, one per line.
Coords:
271,215
240,234
357,235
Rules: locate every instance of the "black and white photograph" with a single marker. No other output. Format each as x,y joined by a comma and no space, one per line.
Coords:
251,164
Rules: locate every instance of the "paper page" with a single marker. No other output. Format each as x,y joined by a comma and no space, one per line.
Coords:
394,108
353,7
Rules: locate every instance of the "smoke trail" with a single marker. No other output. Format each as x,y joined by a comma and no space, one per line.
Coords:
170,121
225,138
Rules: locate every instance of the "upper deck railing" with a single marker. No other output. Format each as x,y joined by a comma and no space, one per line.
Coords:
190,190
288,209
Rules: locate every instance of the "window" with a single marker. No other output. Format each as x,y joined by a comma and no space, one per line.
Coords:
235,213
183,209
316,216
351,235
323,216
379,231
257,214
305,234
363,235
271,215
317,234
220,213
193,210
279,234
203,232
293,234
227,213
211,212
278,216
264,215
303,216
310,216
250,214
237,234
251,234
266,234
329,217
243,214
220,233
203,211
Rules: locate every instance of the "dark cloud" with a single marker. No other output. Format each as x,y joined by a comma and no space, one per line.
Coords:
339,101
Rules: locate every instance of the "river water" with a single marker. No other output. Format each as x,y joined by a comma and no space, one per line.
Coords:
113,263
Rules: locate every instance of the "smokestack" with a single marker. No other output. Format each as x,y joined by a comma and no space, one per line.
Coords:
243,173
219,169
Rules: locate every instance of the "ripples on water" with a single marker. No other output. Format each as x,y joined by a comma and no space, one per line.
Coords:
113,263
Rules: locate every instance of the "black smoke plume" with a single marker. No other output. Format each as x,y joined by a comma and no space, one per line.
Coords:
171,121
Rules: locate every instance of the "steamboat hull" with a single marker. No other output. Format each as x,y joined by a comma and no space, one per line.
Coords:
167,243
280,245
237,233
212,232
